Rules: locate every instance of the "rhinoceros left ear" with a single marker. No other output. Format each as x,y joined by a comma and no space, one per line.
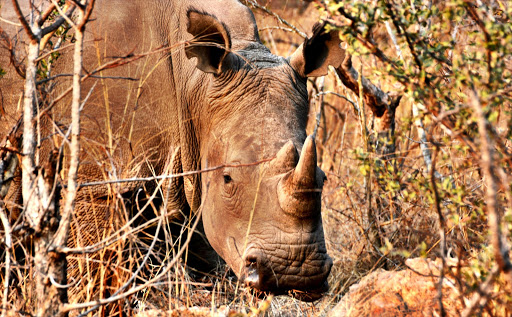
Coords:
211,43
319,51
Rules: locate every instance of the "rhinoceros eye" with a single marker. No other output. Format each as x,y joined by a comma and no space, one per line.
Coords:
227,179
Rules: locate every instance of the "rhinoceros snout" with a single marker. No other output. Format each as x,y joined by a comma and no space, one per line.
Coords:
306,281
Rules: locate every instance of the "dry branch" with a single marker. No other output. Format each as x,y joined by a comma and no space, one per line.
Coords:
170,176
63,231
382,105
31,34
320,104
38,182
442,235
254,4
490,171
18,66
47,32
8,245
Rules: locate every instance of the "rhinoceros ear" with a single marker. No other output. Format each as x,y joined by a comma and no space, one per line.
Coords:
319,51
211,43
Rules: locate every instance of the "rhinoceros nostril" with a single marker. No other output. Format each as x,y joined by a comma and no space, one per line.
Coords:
251,260
252,276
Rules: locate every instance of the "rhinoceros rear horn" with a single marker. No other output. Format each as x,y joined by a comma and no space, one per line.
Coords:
286,159
299,192
211,43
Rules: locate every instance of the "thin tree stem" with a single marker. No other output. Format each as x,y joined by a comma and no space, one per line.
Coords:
8,245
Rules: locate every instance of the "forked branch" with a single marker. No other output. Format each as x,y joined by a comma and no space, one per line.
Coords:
382,104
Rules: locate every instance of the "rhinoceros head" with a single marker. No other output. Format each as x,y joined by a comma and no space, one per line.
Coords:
262,210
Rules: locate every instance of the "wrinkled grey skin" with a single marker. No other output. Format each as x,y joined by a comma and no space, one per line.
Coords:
201,106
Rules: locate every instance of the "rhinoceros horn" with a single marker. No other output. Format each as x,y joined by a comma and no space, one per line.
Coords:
286,159
299,192
304,175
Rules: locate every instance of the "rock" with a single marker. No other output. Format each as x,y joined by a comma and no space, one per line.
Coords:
411,292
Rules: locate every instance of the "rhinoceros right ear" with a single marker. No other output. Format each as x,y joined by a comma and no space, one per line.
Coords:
319,51
211,43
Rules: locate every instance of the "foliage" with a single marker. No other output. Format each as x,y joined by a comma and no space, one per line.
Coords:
446,55
380,209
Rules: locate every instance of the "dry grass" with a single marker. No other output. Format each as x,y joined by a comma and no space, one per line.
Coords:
406,221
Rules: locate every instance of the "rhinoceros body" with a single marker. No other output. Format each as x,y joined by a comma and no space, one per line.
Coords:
208,94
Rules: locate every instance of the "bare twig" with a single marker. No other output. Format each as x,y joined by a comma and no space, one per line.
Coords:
276,28
254,4
63,232
8,246
33,37
58,266
442,235
45,15
82,76
18,66
10,22
29,137
320,106
120,61
170,176
337,95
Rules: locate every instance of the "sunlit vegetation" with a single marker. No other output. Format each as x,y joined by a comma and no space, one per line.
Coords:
423,172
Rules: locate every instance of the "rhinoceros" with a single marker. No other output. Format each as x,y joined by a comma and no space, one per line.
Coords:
206,95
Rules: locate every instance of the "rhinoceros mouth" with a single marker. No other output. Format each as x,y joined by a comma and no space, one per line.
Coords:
306,281
302,295
304,291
